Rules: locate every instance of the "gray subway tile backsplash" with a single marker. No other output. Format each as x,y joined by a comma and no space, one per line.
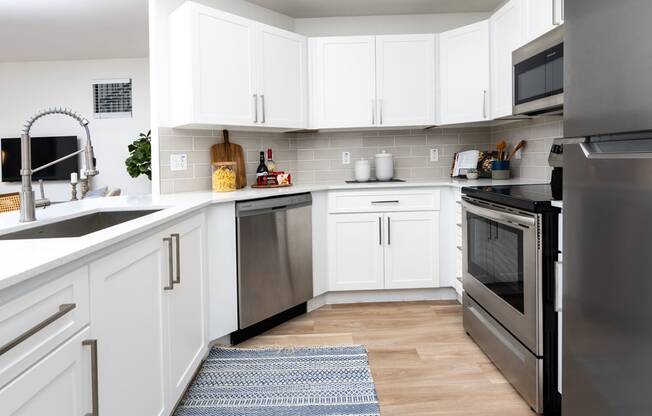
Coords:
317,157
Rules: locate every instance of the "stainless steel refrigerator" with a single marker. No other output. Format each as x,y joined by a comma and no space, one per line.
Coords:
607,319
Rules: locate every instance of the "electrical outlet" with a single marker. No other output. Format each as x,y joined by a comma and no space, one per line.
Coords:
179,162
518,154
434,155
346,158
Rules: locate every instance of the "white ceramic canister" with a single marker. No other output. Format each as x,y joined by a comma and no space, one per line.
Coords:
362,170
384,166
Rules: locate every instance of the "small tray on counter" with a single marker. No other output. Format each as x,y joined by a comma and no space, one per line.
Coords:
271,186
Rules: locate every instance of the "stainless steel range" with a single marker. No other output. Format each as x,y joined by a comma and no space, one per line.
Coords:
510,246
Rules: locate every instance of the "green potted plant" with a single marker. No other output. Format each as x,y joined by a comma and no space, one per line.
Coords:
139,161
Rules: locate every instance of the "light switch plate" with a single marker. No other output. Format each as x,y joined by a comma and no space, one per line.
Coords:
434,155
346,158
178,162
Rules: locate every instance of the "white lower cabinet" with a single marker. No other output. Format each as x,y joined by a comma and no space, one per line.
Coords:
126,320
57,385
148,317
397,250
184,308
355,251
411,250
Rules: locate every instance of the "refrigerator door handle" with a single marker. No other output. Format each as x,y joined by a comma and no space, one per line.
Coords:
620,149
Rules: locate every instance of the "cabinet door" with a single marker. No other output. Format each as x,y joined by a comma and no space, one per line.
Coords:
185,307
343,81
464,74
283,78
411,250
126,312
405,79
355,251
57,385
507,34
539,17
223,68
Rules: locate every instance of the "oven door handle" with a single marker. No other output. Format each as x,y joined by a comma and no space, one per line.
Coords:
499,216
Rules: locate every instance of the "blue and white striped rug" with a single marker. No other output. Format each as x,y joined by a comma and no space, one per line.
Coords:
321,381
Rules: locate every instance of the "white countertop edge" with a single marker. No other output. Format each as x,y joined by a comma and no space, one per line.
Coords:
55,253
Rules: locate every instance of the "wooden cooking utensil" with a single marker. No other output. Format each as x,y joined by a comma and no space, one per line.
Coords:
518,147
230,152
501,146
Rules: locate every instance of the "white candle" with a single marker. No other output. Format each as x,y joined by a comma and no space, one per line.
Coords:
73,178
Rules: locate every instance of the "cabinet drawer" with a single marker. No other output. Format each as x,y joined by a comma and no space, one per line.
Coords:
35,324
384,201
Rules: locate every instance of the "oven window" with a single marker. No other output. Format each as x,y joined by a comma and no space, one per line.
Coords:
495,258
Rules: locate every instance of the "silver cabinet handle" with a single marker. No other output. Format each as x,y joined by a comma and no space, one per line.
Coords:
554,12
380,111
63,309
95,406
373,111
393,201
170,285
389,231
262,105
484,104
177,239
380,231
255,108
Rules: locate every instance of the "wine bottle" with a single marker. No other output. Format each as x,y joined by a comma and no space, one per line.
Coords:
271,165
261,171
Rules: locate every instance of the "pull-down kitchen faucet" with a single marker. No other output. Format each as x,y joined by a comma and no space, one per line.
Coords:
27,201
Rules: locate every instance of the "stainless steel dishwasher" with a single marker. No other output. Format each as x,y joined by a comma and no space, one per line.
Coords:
274,256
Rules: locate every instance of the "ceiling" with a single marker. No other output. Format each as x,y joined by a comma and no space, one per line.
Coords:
330,8
35,30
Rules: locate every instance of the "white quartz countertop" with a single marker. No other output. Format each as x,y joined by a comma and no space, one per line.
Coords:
23,259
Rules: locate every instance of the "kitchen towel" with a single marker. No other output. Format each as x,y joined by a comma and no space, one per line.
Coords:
319,381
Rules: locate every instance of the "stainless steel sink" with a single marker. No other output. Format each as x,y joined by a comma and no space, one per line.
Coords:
78,226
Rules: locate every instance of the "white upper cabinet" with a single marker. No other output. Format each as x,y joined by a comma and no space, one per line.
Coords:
343,78
539,17
542,16
229,71
464,74
283,78
507,33
405,80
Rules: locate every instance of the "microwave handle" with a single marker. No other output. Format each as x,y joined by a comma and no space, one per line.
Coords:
499,216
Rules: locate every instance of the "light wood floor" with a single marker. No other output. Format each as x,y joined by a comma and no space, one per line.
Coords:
422,361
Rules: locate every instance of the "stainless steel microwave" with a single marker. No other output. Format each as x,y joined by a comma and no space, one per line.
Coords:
538,75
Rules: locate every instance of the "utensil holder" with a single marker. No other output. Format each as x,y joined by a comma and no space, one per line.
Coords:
500,169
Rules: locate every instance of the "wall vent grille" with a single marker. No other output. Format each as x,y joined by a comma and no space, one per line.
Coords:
112,98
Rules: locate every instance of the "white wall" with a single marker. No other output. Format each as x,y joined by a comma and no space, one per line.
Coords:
385,25
27,87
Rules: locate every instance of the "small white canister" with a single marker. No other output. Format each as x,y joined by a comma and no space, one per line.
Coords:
384,166
362,170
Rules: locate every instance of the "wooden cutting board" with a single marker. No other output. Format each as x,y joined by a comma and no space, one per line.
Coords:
229,152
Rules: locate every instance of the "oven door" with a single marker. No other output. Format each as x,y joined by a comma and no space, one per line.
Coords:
501,267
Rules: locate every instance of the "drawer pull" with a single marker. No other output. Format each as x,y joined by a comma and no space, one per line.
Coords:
395,201
63,309
94,379
176,237
170,285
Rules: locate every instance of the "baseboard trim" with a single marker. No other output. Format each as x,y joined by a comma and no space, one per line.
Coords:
384,295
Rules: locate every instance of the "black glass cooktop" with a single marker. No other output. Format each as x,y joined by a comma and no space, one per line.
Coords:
535,198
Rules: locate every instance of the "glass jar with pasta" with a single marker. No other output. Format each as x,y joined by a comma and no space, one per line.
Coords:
224,176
